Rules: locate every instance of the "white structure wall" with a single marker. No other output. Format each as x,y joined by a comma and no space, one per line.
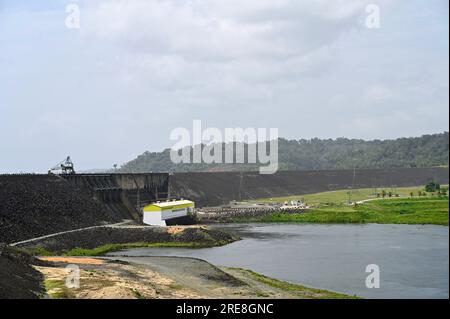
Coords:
157,213
154,218
168,214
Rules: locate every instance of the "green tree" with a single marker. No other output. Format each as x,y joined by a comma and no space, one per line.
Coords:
314,154
432,187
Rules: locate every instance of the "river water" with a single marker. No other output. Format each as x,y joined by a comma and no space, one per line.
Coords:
413,259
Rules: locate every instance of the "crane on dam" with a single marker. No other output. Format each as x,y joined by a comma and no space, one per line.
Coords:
64,167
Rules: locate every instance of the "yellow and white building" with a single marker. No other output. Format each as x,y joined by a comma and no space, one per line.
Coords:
157,214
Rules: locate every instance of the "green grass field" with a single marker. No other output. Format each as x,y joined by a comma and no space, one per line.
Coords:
335,198
383,211
332,207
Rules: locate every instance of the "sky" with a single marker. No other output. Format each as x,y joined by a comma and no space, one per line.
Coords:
135,70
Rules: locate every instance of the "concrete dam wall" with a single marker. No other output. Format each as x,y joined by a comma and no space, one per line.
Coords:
124,193
38,205
212,189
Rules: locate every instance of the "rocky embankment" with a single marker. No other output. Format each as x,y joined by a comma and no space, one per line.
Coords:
229,214
18,278
101,236
37,205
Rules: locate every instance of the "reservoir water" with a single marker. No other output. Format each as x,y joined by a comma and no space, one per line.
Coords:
413,259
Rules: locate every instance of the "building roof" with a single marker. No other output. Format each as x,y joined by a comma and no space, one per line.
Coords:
170,204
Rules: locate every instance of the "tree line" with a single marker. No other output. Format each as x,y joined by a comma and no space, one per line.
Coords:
321,154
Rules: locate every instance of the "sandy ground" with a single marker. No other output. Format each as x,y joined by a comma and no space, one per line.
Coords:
111,280
179,229
75,260
159,277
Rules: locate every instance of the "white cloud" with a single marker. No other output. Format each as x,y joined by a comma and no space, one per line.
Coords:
376,93
139,68
222,30
218,52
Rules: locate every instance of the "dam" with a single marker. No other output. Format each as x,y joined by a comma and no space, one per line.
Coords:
124,194
219,188
34,205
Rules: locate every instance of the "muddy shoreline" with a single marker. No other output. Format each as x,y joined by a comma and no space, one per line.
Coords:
25,276
167,277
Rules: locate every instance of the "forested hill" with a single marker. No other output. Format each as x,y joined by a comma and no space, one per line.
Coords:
319,154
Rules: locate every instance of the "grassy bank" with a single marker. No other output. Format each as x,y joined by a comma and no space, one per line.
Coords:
297,290
99,241
104,249
383,211
340,197
56,289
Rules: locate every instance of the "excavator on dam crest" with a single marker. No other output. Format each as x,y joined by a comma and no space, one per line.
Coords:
65,167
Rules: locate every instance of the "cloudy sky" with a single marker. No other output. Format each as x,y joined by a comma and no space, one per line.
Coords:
137,69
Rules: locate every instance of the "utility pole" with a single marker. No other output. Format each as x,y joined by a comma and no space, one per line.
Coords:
353,185
241,178
138,197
